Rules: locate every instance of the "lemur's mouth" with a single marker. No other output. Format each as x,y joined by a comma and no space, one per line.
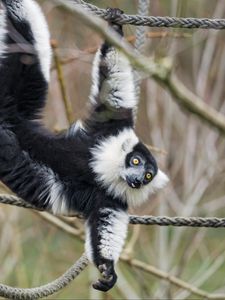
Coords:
134,183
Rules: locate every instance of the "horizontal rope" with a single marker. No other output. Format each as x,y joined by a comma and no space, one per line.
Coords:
74,271
48,289
151,21
14,200
144,220
178,221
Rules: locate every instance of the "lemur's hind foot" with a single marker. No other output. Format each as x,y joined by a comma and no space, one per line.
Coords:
113,14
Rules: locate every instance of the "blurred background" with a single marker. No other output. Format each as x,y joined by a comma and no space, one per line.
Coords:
34,252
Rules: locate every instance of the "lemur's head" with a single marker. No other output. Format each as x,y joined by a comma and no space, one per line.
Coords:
140,167
126,168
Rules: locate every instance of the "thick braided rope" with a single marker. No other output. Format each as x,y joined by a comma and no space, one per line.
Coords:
143,7
48,289
13,200
151,21
178,221
144,220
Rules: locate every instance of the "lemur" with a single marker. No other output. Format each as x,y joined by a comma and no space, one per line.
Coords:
99,167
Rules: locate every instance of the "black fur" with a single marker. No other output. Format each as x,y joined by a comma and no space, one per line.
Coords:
32,158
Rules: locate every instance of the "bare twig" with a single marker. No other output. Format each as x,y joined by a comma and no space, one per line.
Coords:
61,225
67,103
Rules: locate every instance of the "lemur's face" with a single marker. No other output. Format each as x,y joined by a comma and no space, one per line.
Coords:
140,167
126,168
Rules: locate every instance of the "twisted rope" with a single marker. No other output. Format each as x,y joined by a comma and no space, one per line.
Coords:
144,220
143,7
48,289
178,221
74,271
203,23
13,200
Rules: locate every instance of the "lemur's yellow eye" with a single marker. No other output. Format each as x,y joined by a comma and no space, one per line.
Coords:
148,176
136,161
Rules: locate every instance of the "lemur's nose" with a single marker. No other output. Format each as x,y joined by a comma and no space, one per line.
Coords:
137,183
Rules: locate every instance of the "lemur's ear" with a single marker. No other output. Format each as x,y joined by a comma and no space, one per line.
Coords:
160,180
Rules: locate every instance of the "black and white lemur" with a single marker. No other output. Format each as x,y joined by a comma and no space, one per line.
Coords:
98,167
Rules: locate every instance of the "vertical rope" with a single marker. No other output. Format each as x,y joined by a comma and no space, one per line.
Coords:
143,10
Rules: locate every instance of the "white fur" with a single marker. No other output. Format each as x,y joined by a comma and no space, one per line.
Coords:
95,77
112,236
88,246
30,11
55,193
109,164
2,30
109,158
75,128
118,90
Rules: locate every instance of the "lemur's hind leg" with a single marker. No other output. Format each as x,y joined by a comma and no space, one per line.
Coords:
113,13
34,182
25,62
113,98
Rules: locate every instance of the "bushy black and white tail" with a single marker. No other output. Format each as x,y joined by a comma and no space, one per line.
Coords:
25,57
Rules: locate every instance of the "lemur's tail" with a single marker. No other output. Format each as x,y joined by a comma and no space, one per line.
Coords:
25,56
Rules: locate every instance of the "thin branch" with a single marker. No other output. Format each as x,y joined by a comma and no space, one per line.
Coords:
67,103
61,225
170,278
129,249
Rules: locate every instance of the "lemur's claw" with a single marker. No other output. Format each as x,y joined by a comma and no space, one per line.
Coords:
113,14
109,278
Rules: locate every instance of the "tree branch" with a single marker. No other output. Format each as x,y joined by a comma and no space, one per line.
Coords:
170,278
161,72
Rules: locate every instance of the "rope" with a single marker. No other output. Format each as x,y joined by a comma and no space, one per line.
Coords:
178,221
75,270
13,200
143,7
144,220
48,289
138,20
152,21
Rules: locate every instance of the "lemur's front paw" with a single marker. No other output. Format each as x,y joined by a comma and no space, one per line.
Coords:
108,279
113,14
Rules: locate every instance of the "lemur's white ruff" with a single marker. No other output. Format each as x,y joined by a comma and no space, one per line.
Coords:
109,165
